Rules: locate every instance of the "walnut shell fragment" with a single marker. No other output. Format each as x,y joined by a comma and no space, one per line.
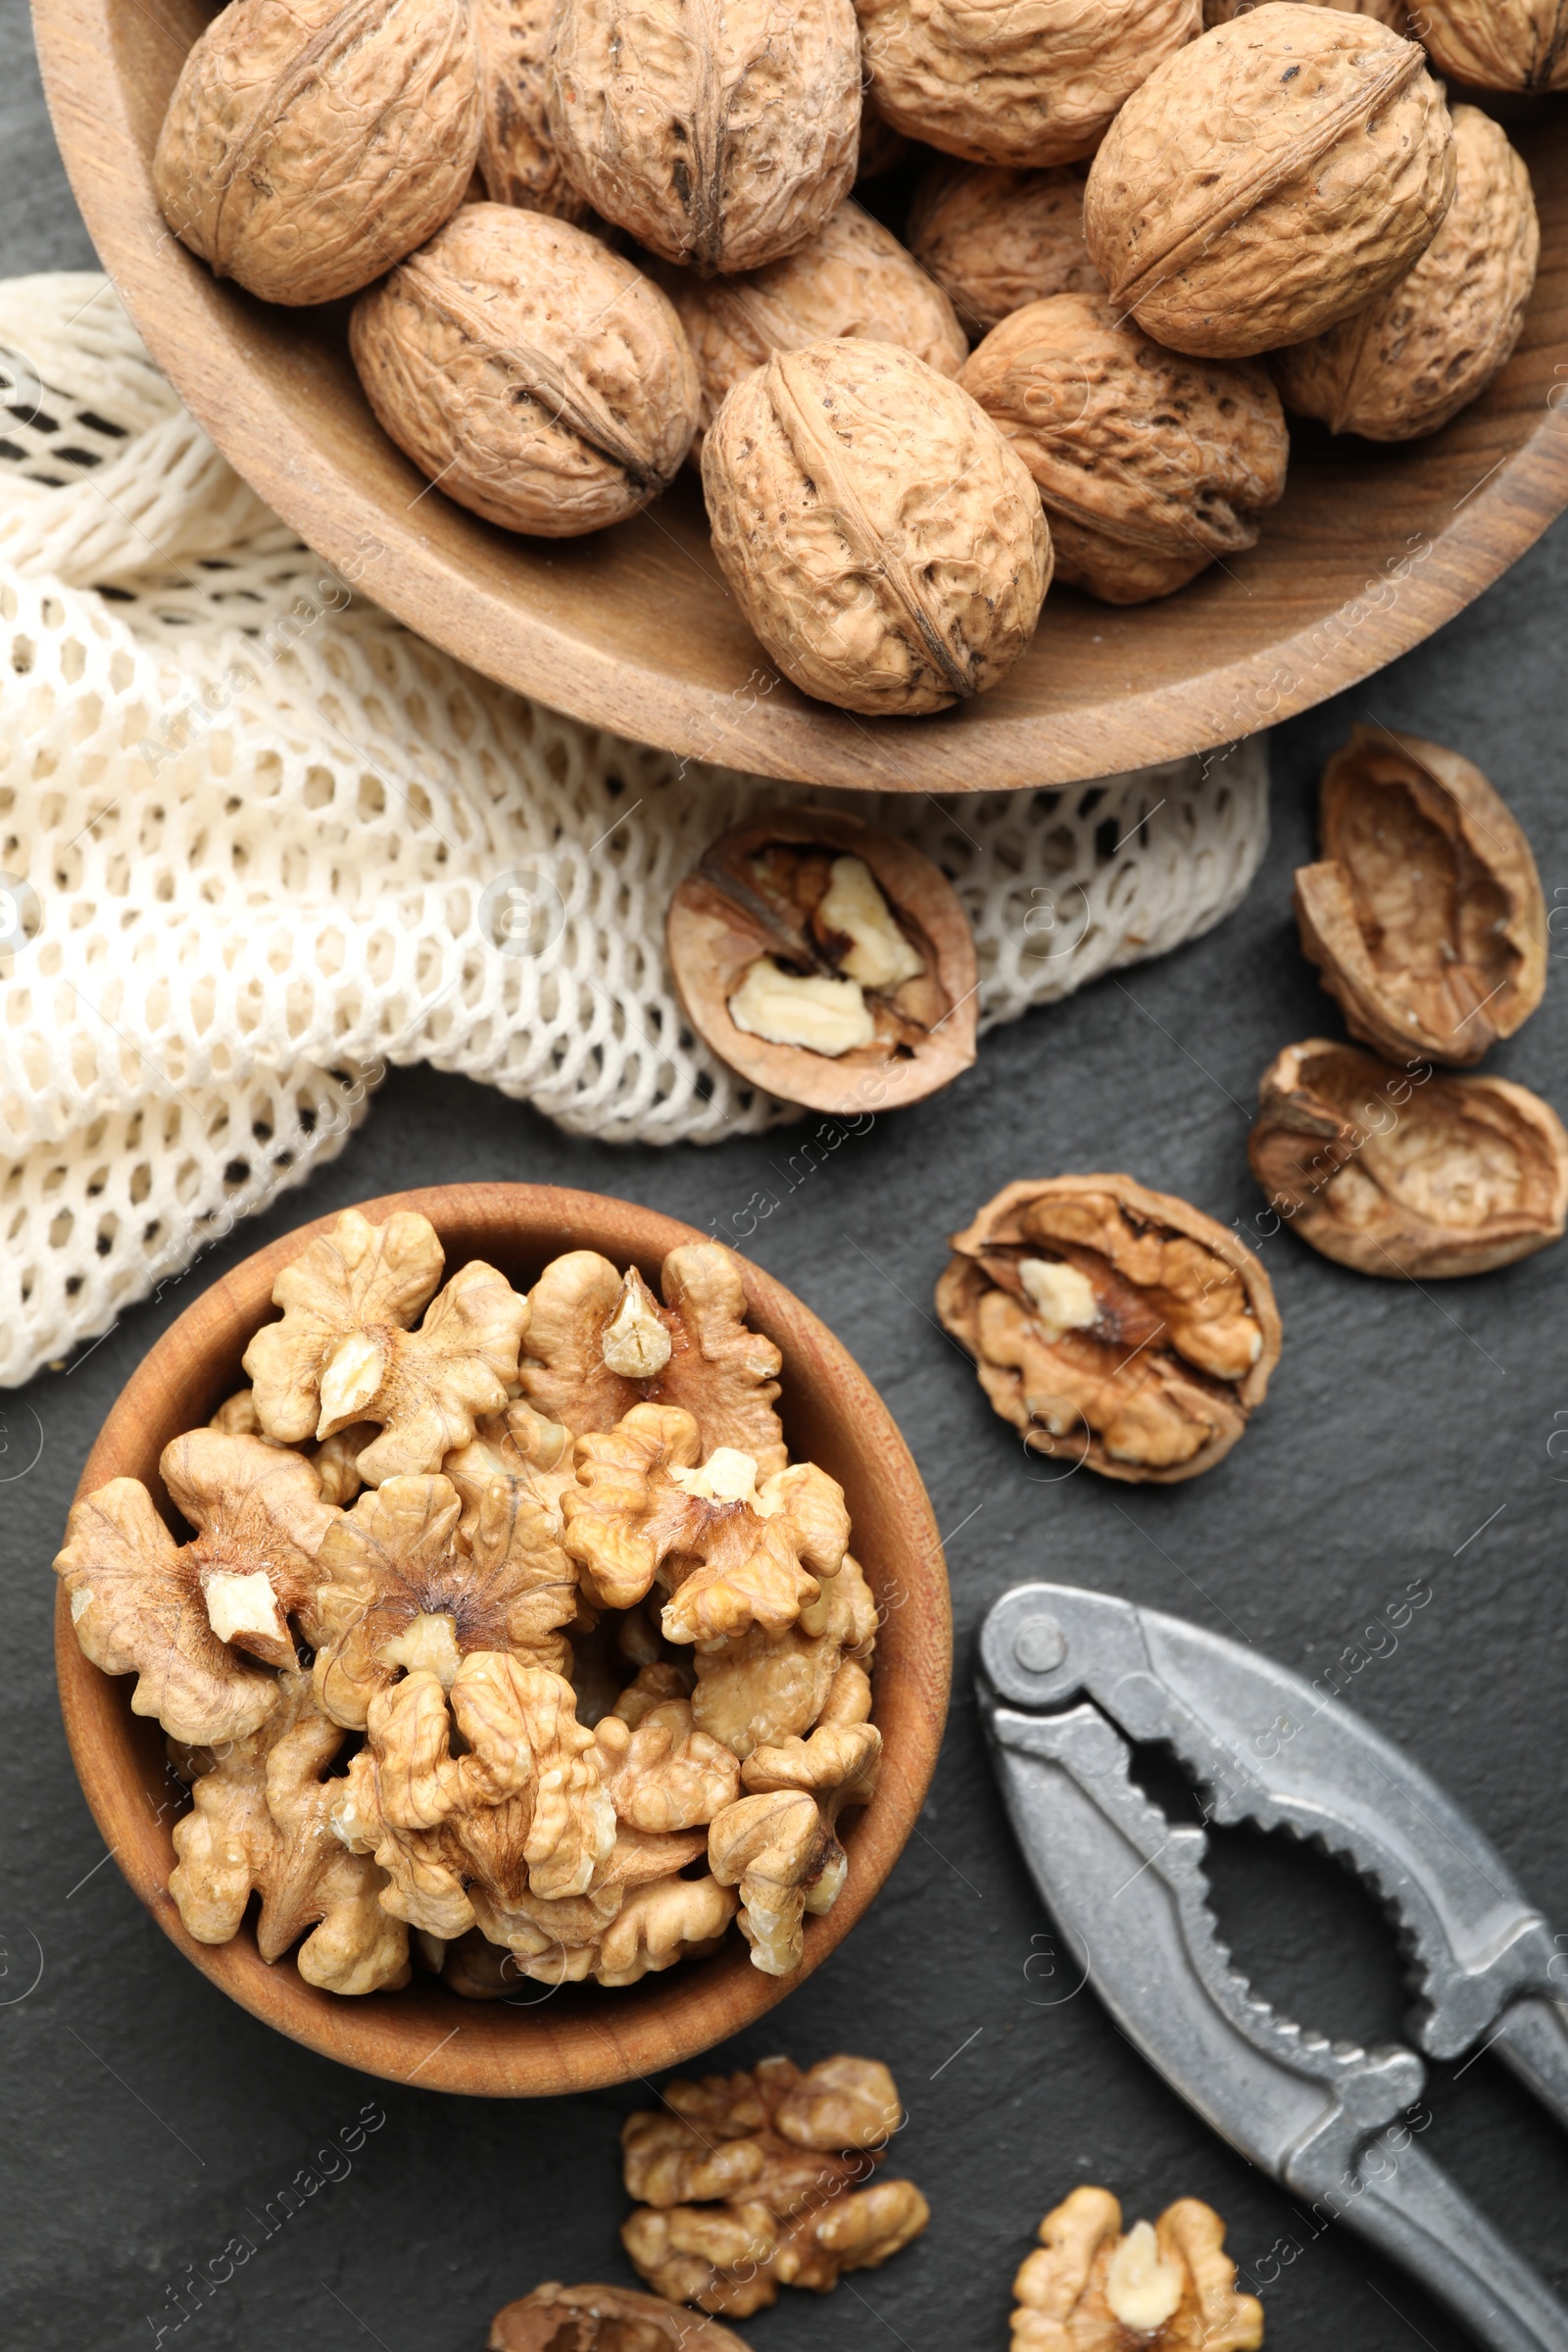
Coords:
779,2160
720,139
852,278
603,2319
1498,44
1166,2285
1111,1325
543,381
1394,1171
1425,914
1269,181
1151,465
805,894
996,238
1433,341
310,144
1003,85
876,530
517,161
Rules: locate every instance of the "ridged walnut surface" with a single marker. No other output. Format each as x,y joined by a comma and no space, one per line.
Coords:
310,144
996,238
721,136
1002,85
1498,44
544,380
1428,345
877,531
517,160
853,278
1392,13
1270,180
1150,464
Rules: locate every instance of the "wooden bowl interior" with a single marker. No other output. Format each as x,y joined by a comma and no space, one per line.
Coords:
1371,550
541,2041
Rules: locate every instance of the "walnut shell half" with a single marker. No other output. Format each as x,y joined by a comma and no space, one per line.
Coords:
720,137
1425,914
1001,84
1151,465
541,379
1395,1171
759,893
852,278
1497,44
997,238
604,2318
1270,180
1436,339
308,144
875,528
1113,1326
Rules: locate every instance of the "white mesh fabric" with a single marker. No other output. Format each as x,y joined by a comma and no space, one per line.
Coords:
255,839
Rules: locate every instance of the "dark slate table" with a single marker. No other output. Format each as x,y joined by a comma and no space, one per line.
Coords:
147,2116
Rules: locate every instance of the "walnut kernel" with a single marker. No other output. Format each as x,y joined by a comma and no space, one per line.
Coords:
1168,2283
603,2319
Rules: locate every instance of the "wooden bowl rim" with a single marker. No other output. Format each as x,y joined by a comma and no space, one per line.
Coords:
862,1080
425,2033
779,732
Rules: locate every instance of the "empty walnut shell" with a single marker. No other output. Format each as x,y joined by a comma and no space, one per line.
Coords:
852,278
1000,84
517,160
1397,1171
756,894
541,378
1425,914
1151,465
1116,1327
875,528
996,238
308,144
1497,44
1270,180
604,2318
720,140
1436,339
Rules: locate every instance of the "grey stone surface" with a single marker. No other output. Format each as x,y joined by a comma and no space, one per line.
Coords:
148,2118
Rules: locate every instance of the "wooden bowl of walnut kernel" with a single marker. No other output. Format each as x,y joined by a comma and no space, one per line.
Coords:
1372,547
517,2035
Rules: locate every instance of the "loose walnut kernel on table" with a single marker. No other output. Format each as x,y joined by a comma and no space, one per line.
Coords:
1118,1327
603,2319
1393,1170
1166,2287
782,2153
1424,914
1269,179
1150,466
308,146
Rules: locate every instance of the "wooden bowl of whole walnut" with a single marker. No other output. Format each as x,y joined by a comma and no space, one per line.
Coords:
642,624
528,2036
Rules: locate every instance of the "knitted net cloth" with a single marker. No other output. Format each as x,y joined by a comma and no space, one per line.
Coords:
258,842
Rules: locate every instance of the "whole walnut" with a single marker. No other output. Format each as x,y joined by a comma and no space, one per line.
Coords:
852,278
1393,13
997,238
1434,340
875,528
308,144
1270,180
1150,464
721,142
1001,84
518,163
1497,44
541,379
